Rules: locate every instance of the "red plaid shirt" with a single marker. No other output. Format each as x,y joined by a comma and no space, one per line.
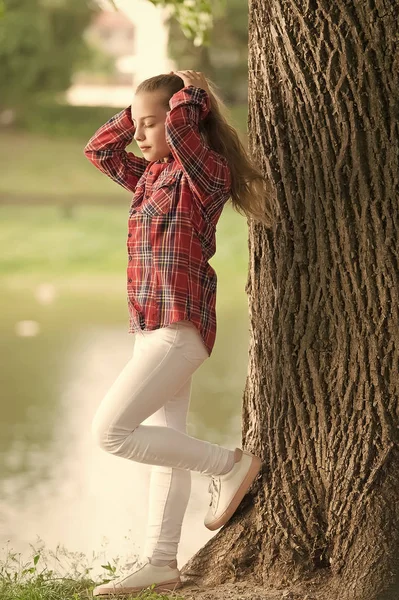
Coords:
172,218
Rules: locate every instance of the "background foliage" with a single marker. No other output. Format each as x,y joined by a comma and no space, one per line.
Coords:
225,57
41,45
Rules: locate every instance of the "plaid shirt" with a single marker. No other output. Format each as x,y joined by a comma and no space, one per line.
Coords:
172,218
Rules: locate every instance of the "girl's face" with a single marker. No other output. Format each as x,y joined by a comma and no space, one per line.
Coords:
149,115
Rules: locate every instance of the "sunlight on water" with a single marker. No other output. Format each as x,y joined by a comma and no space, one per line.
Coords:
73,492
45,293
27,328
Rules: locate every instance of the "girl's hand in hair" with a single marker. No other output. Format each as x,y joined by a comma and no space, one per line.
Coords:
195,78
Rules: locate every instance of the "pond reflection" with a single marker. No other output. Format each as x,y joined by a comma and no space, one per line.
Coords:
55,482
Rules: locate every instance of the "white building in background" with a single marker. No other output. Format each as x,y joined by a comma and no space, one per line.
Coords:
151,38
113,33
140,51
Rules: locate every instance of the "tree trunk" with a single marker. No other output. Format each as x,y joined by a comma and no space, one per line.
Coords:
321,397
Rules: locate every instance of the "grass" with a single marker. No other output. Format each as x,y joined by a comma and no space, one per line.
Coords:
40,240
71,580
34,164
39,166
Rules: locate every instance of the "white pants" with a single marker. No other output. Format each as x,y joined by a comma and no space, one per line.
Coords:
155,387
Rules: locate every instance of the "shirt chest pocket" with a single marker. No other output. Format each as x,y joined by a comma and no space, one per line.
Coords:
164,196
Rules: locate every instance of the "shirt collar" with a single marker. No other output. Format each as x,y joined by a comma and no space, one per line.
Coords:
161,162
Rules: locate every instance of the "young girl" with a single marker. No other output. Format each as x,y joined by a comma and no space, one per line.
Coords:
193,163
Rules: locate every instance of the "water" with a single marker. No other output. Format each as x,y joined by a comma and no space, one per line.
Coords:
62,346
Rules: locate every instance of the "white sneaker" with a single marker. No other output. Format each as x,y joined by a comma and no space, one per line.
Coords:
144,575
228,490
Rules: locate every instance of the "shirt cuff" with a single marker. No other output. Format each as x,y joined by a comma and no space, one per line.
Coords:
125,117
192,95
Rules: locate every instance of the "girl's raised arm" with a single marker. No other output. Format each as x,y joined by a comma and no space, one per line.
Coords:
106,150
207,170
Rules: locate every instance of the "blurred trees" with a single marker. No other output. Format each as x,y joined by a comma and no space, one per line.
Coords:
41,45
225,57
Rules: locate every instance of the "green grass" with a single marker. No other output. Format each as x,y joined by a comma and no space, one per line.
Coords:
40,240
34,164
35,579
38,165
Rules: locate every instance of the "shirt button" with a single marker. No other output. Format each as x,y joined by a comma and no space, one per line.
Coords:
150,172
129,235
130,281
130,258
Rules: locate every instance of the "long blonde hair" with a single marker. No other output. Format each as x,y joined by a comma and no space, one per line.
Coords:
251,193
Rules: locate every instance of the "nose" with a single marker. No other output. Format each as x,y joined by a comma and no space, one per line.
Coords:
138,134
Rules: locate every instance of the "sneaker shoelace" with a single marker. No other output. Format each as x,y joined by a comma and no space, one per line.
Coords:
213,489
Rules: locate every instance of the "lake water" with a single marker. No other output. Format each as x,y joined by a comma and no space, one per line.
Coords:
63,343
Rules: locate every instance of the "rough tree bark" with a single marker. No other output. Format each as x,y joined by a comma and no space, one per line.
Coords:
321,398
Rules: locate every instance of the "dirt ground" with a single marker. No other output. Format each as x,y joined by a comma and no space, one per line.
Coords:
243,591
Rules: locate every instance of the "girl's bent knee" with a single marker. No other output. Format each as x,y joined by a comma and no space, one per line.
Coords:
107,441
102,434
113,440
99,434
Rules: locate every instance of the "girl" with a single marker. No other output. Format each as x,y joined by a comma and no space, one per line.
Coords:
193,163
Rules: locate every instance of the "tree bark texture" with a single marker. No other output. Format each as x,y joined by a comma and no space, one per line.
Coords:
321,397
